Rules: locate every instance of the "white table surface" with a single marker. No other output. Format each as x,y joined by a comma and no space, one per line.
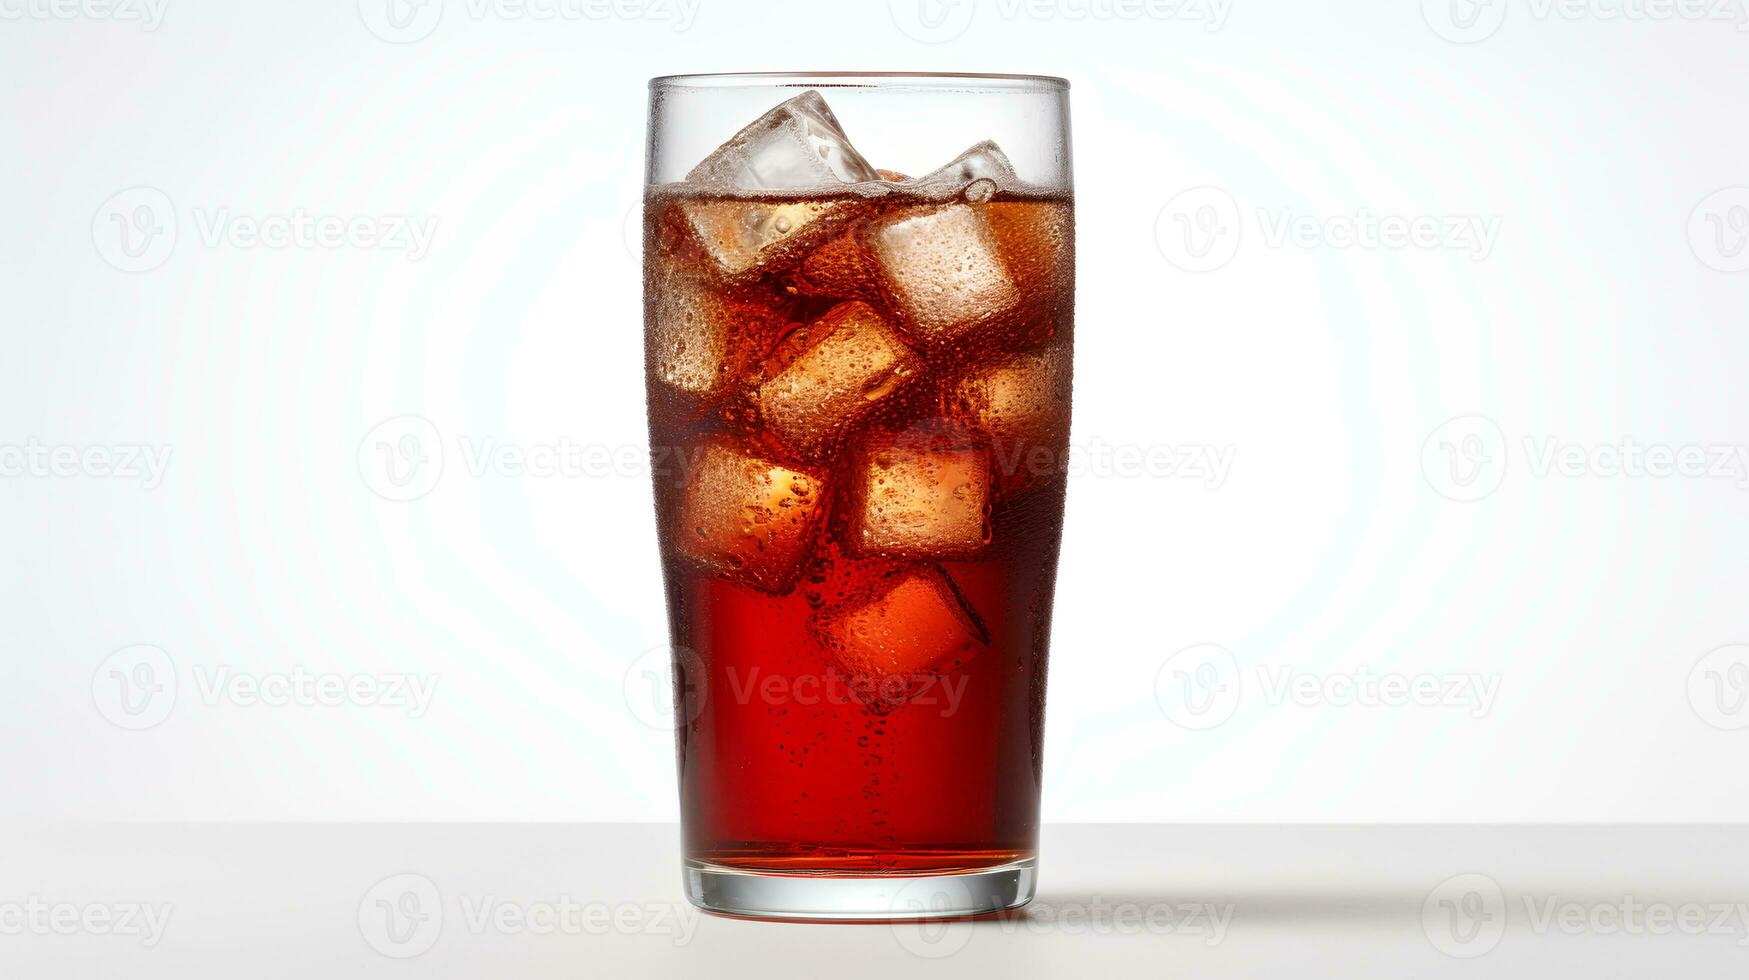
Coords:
262,901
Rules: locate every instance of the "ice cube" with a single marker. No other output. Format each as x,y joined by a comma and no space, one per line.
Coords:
702,337
942,271
1018,398
831,373
745,518
893,637
742,235
839,269
797,145
1036,239
975,175
916,495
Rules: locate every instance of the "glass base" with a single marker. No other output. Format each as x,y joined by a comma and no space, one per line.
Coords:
869,898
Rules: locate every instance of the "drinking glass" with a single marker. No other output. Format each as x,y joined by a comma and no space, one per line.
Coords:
859,325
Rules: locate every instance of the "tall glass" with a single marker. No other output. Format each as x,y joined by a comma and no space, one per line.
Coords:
858,318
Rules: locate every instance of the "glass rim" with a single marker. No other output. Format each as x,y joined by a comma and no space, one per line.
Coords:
862,79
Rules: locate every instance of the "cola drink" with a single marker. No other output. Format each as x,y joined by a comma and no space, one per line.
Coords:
858,388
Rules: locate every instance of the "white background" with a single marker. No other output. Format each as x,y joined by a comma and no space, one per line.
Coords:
1609,306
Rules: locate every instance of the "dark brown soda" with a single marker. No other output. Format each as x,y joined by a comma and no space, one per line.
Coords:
793,758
